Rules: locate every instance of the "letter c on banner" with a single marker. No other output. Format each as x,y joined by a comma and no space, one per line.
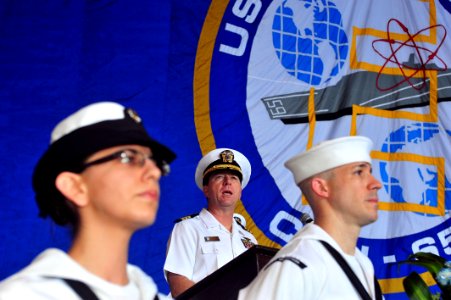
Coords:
284,216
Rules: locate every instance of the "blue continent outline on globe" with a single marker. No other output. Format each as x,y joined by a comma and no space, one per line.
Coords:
416,133
304,40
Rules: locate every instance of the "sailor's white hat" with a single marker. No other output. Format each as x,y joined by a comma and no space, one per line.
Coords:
223,159
328,155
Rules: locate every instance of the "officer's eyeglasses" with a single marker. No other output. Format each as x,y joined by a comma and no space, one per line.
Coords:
131,157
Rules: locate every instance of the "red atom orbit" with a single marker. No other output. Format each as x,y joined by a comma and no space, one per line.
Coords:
424,60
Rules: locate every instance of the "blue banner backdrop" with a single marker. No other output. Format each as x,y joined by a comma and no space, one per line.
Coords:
269,78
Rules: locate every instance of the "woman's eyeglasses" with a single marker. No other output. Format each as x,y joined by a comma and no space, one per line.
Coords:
131,157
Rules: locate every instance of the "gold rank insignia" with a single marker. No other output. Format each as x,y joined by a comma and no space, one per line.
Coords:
227,156
186,218
247,242
211,238
133,115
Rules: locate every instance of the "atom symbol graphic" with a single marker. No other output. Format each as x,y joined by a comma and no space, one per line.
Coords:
424,55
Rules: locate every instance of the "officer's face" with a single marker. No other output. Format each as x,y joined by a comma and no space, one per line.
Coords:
223,190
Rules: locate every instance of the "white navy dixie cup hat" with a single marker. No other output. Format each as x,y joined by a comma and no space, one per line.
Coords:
223,159
328,155
93,128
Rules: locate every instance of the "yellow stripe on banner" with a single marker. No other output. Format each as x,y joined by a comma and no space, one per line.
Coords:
433,94
201,94
394,285
201,78
311,117
311,124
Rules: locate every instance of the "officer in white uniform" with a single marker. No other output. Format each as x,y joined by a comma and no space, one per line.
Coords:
322,261
202,243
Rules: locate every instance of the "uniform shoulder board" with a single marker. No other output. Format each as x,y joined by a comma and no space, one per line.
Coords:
294,260
186,218
238,221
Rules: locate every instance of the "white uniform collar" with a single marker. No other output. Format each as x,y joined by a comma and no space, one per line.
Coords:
314,232
210,221
56,263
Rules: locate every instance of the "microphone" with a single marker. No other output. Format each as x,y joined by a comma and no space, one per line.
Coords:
305,219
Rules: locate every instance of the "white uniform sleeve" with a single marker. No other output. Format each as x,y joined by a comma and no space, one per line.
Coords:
181,254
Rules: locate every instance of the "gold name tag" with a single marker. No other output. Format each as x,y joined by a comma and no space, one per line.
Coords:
211,238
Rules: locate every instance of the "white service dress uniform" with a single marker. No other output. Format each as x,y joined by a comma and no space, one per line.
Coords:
40,280
304,269
200,245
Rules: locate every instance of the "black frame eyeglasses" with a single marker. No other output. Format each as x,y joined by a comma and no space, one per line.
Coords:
131,157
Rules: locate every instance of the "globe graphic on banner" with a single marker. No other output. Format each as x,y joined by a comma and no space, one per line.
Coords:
423,178
309,40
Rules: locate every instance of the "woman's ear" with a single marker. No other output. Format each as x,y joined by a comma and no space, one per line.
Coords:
72,187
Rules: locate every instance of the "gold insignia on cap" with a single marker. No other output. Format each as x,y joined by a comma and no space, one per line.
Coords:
133,114
227,156
225,162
